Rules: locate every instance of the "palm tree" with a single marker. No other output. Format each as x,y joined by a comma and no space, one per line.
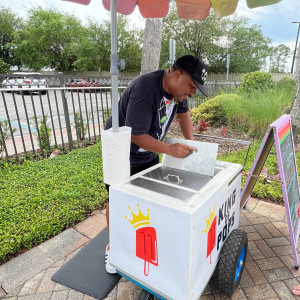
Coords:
152,45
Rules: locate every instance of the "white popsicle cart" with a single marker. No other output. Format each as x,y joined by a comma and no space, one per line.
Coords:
171,230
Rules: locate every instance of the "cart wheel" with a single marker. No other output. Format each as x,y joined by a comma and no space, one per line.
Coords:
144,295
232,262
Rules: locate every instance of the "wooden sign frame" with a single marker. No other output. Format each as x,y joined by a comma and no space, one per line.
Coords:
280,133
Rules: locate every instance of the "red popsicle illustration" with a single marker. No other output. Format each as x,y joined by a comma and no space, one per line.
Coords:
146,241
211,224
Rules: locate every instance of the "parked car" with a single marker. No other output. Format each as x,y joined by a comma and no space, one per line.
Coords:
82,85
26,80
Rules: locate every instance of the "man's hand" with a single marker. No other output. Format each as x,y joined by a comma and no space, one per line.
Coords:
180,150
149,143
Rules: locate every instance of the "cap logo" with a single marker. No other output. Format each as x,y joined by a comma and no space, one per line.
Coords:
204,75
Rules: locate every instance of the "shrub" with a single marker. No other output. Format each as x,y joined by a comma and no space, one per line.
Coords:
44,131
253,112
214,110
211,110
4,126
256,81
106,114
202,126
239,123
81,125
4,67
286,83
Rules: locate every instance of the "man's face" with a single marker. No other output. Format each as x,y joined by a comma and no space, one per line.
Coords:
184,86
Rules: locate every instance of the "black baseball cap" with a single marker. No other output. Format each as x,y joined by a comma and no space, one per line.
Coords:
196,68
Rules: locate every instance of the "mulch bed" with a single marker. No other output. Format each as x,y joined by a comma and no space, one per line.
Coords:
219,132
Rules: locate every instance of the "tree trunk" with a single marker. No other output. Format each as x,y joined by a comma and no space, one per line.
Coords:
152,45
295,110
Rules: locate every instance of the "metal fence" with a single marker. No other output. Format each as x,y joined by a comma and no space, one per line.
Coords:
59,111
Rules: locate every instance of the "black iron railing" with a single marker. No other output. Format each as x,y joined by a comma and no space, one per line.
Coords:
58,110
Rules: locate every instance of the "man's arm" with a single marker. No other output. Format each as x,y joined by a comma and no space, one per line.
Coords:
149,143
186,125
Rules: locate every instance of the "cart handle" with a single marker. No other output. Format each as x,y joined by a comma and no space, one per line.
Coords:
176,176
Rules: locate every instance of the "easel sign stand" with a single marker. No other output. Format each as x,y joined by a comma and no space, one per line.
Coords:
279,132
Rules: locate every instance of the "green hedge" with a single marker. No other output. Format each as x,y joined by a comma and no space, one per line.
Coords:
249,112
213,110
256,81
40,199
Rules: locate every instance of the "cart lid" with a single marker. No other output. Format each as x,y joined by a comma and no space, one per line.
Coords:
173,182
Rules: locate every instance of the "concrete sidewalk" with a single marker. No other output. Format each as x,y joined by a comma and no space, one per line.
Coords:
269,272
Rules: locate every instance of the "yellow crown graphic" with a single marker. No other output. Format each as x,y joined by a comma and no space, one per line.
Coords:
210,220
139,219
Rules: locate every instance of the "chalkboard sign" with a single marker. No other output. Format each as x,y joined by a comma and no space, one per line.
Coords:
288,170
280,133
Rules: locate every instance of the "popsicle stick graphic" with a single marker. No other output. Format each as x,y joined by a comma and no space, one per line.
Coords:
211,224
146,240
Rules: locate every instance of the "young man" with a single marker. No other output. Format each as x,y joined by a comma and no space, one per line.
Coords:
148,105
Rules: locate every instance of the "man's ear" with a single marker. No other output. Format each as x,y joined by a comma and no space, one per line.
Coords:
177,74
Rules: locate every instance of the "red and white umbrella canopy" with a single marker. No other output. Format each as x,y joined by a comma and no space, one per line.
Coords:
186,9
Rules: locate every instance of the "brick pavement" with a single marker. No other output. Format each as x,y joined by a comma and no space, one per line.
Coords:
269,271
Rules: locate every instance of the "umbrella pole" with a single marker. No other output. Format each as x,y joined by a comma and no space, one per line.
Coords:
114,69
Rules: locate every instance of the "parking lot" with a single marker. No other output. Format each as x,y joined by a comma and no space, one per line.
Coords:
21,109
25,113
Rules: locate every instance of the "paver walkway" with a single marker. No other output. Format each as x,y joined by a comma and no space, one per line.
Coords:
269,272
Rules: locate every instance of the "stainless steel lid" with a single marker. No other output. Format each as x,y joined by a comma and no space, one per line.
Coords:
176,179
179,177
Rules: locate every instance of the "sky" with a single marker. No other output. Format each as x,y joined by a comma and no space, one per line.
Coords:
275,20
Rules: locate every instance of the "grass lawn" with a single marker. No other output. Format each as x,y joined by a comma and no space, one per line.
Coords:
40,199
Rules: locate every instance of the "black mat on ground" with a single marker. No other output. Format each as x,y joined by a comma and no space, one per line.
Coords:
85,272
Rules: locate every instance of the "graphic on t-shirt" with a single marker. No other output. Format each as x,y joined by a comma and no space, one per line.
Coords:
165,111
167,101
146,241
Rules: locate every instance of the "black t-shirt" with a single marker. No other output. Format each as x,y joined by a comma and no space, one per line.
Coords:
147,108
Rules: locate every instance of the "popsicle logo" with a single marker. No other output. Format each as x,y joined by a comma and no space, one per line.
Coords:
210,229
146,241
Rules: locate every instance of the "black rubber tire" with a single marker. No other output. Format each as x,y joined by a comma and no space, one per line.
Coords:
229,258
144,295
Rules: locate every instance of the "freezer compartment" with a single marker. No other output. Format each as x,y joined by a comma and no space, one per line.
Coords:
180,178
163,189
175,183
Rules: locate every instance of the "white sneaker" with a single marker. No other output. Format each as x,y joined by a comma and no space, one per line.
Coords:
108,267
